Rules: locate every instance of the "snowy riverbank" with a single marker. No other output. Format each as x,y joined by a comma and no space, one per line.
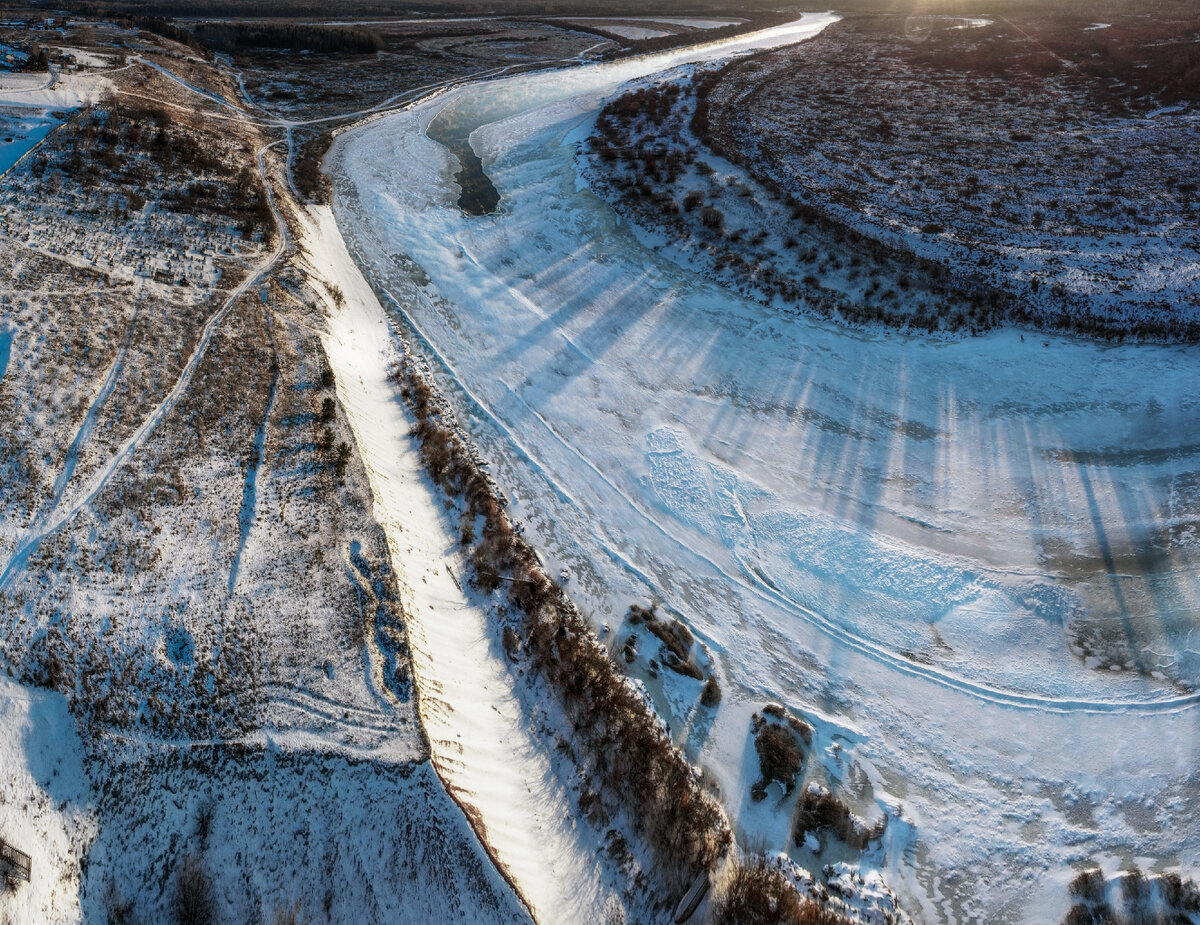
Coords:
895,537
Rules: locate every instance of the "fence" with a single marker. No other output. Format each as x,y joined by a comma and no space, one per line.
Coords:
15,864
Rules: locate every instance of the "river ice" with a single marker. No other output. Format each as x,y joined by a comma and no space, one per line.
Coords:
898,537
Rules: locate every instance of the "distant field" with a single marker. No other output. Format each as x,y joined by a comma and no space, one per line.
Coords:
1045,160
355,9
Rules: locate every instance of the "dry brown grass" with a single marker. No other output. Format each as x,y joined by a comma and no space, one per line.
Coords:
780,757
819,811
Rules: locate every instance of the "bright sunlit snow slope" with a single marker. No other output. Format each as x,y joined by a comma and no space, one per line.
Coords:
484,745
907,535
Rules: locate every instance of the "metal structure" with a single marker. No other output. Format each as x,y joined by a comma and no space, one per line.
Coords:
15,864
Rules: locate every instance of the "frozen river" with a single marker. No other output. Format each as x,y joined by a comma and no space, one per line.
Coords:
972,564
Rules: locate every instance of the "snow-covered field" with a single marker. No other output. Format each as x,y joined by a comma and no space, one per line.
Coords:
665,20
335,837
42,759
85,58
189,560
634,32
332,837
31,106
911,543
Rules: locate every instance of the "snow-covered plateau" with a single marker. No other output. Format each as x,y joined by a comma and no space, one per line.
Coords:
970,565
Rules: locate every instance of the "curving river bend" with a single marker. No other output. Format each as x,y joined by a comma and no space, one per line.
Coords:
902,539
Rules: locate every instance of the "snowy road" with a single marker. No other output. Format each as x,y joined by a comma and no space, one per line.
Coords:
911,541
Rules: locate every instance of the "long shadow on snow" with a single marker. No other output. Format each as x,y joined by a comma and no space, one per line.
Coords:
254,463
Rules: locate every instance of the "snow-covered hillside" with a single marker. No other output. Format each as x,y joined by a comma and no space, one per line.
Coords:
207,686
920,613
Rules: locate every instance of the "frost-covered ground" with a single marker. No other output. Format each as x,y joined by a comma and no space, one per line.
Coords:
924,548
31,106
626,31
43,792
330,835
203,657
1069,183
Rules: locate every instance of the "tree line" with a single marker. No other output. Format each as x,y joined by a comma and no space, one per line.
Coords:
289,36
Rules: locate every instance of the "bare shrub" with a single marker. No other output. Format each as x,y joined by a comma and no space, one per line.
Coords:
288,915
204,819
1131,896
674,635
759,894
711,695
779,757
820,811
306,169
511,642
117,909
676,638
193,894
342,461
1089,885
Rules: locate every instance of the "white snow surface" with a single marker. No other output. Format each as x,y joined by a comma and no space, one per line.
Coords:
487,751
51,91
336,838
696,23
43,802
28,103
665,20
86,58
889,534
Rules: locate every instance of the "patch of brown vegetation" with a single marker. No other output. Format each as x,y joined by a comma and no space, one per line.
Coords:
819,811
623,741
759,894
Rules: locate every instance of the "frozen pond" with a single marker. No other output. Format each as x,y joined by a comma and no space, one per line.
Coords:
906,540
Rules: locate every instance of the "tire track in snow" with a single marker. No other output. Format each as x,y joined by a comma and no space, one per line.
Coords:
84,433
55,519
321,709
324,703
766,591
750,582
